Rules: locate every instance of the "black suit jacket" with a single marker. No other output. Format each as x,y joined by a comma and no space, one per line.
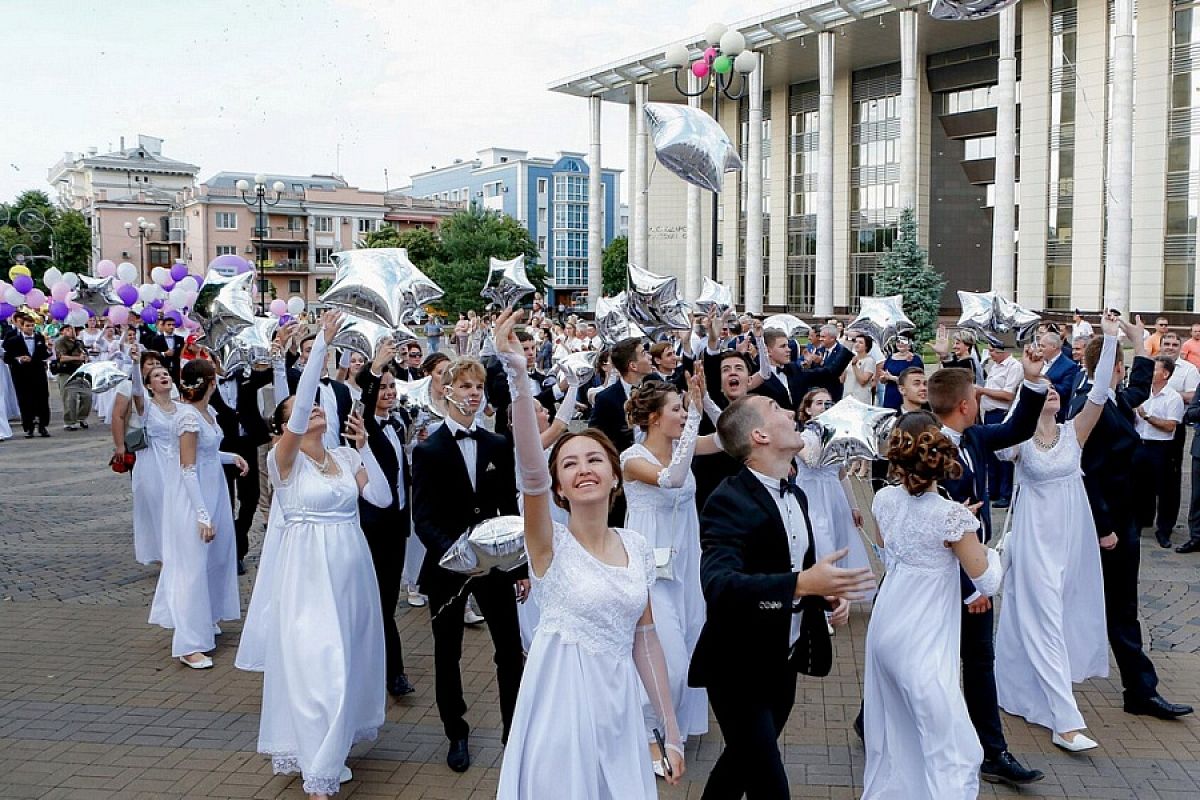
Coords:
1108,455
802,379
340,393
158,343
1063,375
1191,416
608,415
499,398
407,373
35,368
395,467
444,504
746,574
245,413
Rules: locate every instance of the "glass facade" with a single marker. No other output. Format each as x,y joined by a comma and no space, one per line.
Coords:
743,150
1061,174
570,230
803,142
874,173
1183,160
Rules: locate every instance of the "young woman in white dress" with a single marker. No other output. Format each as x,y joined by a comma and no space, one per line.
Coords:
578,728
197,587
323,660
832,508
660,493
919,738
1052,630
117,349
156,417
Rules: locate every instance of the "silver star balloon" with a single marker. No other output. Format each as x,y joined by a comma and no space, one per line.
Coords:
380,285
364,336
960,10
883,319
978,310
97,294
98,376
691,144
496,543
791,325
251,347
507,282
852,429
714,295
224,307
612,319
579,367
1015,319
653,302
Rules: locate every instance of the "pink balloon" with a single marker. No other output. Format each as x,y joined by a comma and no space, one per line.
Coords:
60,290
119,315
190,324
106,269
711,54
700,68
35,298
278,306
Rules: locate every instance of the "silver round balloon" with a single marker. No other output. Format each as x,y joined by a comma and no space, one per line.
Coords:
612,320
364,336
714,297
883,319
851,430
461,557
791,325
497,543
98,376
690,143
578,368
380,285
507,282
964,10
224,307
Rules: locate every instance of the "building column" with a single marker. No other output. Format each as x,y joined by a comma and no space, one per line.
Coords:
632,177
823,294
753,300
1004,208
641,243
694,244
908,109
1120,165
595,204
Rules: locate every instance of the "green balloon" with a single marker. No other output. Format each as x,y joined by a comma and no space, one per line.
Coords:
723,65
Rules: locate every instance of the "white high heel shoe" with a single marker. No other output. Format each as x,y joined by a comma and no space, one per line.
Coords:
1077,745
204,663
346,775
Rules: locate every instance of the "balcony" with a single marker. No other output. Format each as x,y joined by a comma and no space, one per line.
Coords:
280,233
289,265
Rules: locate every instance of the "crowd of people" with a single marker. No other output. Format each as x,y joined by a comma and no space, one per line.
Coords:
687,547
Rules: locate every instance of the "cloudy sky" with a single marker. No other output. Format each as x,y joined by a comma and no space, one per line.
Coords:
278,85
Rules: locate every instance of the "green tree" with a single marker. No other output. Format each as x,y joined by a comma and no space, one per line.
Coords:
423,246
387,236
614,267
26,232
72,243
468,239
904,269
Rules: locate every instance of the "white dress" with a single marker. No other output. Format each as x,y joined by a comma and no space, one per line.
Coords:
316,617
919,739
667,518
829,512
529,612
578,731
8,398
1052,626
852,388
197,587
104,401
159,458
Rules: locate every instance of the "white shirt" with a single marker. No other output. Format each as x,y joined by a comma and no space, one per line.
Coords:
1050,361
466,446
389,433
797,533
30,343
1185,378
1081,328
1006,377
1166,404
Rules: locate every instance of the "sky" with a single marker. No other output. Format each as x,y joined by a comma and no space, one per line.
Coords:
301,87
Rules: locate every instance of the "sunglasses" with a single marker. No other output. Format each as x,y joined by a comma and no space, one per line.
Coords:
824,403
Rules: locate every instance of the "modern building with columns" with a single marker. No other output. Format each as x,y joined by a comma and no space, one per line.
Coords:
1040,149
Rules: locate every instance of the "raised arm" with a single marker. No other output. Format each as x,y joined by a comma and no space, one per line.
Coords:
562,417
1089,415
306,393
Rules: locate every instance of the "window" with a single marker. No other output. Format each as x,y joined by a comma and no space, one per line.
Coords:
323,224
542,185
298,188
570,188
542,215
226,220
454,195
226,250
324,255
295,223
570,215
541,243
294,286
366,225
981,148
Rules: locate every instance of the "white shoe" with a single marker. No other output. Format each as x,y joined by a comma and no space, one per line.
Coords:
204,663
658,768
1076,745
471,618
416,599
216,629
346,775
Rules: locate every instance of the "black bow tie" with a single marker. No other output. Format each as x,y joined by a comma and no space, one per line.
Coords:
465,433
788,486
325,380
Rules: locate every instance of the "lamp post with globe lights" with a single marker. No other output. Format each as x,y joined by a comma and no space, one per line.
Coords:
723,62
258,201
142,231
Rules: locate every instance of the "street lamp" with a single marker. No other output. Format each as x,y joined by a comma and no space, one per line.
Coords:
144,231
719,66
258,200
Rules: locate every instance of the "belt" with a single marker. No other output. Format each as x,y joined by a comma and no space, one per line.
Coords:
318,517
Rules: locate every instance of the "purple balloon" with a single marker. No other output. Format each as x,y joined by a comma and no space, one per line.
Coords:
6,310
229,262
244,267
175,315
59,310
179,271
285,319
22,283
128,294
150,315
157,304
168,286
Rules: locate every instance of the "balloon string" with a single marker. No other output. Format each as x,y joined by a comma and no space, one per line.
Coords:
452,600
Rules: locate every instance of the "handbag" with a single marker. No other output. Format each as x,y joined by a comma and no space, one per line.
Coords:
135,440
1006,535
812,653
664,563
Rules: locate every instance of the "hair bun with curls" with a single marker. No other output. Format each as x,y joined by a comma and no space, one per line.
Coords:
645,400
920,454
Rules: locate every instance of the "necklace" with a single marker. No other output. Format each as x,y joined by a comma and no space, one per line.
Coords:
324,466
1043,445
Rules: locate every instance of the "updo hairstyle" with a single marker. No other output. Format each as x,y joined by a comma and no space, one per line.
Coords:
919,454
646,399
195,378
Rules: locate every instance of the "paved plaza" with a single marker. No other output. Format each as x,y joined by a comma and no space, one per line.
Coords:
92,705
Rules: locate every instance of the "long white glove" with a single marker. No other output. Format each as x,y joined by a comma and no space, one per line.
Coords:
191,483
227,458
675,474
764,359
279,379
533,475
566,409
1104,373
989,582
378,491
651,666
306,389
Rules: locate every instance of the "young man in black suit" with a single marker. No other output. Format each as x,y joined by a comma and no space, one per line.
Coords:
26,354
1108,474
955,402
333,395
631,360
169,344
732,381
786,381
387,529
755,537
463,475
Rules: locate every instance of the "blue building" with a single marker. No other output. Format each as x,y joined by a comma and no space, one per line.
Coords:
549,196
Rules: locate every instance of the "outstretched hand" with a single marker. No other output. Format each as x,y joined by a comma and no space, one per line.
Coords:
331,322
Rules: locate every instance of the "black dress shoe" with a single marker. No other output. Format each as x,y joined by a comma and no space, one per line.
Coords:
1001,504
83,424
28,434
1004,768
858,727
1164,539
45,434
458,758
1190,546
1156,706
241,567
399,686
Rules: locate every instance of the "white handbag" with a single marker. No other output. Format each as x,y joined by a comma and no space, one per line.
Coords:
1006,535
664,563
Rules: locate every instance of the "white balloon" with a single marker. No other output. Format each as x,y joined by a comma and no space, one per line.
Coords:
127,272
71,279
159,275
188,284
13,297
52,276
147,292
295,305
177,297
77,317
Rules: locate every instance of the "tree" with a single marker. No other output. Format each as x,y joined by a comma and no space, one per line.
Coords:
26,231
468,239
387,236
615,266
423,246
904,269
72,243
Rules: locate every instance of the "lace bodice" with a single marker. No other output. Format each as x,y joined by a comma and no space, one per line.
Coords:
160,431
643,496
592,604
310,496
915,529
208,440
1037,465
